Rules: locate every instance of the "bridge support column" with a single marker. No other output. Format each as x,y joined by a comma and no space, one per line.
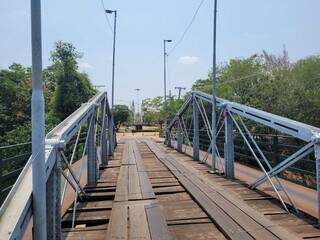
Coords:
195,130
229,146
110,135
317,157
103,140
92,153
53,196
179,137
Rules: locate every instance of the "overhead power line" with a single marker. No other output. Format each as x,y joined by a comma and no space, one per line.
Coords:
187,28
105,14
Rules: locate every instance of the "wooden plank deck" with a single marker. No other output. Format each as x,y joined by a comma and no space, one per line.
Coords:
149,191
135,212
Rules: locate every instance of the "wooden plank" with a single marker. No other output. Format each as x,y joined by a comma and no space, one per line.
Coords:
139,162
157,224
146,188
134,185
131,159
125,155
76,235
122,184
118,226
260,220
228,225
243,220
138,224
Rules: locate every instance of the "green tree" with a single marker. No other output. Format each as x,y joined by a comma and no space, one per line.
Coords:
73,88
15,85
151,108
122,115
154,111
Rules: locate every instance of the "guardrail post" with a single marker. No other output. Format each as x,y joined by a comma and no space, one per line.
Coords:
317,157
195,129
54,201
110,135
91,161
179,136
104,160
229,146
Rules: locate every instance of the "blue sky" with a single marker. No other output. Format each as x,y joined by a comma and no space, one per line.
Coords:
244,28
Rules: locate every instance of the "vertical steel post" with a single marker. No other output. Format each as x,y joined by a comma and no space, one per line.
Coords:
167,135
92,158
195,129
110,136
103,141
229,146
317,157
54,201
165,91
179,136
38,128
214,80
114,55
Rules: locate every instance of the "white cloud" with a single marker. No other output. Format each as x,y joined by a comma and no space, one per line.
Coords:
188,60
85,66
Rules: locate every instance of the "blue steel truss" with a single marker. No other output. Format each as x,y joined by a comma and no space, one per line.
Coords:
307,133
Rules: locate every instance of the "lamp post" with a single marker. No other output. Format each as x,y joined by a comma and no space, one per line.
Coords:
112,129
165,81
214,81
114,50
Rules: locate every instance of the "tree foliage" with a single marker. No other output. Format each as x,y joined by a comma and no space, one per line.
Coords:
154,111
271,83
73,87
65,88
122,115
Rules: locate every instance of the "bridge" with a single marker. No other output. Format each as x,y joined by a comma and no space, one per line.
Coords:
201,178
142,186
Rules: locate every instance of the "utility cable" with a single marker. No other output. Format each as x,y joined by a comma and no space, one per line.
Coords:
187,28
105,14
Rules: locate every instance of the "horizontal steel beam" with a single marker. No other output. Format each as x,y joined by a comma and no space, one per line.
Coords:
285,125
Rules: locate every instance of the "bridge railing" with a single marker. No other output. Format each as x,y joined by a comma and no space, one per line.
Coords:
231,125
95,119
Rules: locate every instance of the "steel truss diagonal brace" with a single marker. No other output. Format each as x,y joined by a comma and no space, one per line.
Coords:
184,108
72,173
304,151
259,163
317,157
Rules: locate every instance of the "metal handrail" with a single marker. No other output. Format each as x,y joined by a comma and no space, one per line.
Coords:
16,210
